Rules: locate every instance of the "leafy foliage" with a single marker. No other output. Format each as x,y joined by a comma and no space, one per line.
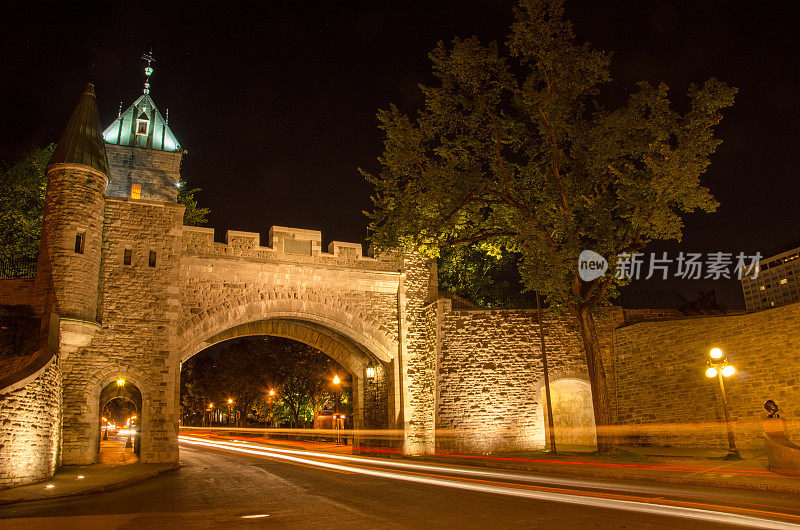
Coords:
514,152
22,190
489,281
194,215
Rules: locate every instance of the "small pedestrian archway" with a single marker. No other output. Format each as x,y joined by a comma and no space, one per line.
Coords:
120,404
573,414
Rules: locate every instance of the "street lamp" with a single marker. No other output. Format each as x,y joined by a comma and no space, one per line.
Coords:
271,403
230,402
336,382
718,367
105,431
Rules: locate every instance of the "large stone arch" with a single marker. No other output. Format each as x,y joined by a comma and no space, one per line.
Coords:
355,326
325,332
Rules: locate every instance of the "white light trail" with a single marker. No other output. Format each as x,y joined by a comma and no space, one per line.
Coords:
597,502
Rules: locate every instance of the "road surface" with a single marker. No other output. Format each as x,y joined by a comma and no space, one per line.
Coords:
236,484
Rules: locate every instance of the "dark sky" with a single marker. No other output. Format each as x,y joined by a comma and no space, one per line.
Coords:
276,101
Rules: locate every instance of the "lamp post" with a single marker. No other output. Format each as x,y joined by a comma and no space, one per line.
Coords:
336,382
210,414
105,431
230,407
718,367
271,402
129,441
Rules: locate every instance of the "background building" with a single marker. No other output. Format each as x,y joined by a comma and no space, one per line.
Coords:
777,280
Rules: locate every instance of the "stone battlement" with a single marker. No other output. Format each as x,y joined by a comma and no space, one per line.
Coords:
285,244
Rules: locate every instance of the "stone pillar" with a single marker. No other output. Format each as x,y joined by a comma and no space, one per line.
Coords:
416,367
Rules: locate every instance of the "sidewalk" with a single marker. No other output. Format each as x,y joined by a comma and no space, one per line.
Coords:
673,465
115,471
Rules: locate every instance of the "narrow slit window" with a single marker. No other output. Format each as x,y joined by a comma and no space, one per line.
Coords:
152,260
79,242
136,191
127,256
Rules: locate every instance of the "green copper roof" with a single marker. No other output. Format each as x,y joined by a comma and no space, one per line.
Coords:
142,125
81,143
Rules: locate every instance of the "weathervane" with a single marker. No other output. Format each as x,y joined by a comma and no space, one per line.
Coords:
148,70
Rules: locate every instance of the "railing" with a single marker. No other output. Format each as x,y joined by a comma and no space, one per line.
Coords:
15,268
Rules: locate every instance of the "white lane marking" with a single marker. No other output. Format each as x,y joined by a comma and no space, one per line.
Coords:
597,502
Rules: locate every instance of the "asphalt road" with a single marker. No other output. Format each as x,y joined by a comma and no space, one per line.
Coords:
218,488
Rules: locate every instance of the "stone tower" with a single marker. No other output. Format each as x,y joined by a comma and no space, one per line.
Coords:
143,153
72,230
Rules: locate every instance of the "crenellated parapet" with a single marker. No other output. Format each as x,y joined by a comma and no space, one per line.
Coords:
285,245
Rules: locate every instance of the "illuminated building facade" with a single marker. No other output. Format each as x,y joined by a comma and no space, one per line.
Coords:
778,279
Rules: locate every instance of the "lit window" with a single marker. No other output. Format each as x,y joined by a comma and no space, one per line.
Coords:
152,260
136,191
761,287
127,257
784,281
142,123
79,241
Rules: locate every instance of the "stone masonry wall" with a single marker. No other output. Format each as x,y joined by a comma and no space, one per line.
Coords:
155,171
137,341
418,355
30,425
490,376
17,292
664,398
224,285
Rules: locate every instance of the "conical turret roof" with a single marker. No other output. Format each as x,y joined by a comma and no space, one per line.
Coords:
81,141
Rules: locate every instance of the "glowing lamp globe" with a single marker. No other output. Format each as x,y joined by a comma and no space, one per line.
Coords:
711,372
335,379
728,371
715,353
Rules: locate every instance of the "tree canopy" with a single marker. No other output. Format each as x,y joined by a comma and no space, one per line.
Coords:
22,189
513,151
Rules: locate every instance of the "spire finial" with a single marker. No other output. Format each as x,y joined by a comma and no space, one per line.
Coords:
148,70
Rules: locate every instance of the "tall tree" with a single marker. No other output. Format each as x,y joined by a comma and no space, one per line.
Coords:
22,188
513,151
194,215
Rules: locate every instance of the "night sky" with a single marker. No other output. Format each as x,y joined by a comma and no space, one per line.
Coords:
276,101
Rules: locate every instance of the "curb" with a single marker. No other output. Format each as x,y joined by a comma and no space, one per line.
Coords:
111,486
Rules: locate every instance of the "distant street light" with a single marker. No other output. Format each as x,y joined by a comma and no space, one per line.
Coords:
105,431
120,382
718,367
336,382
230,408
271,403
